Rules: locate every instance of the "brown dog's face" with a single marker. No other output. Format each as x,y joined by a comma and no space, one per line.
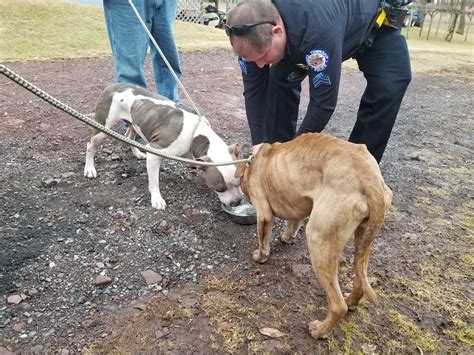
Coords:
242,173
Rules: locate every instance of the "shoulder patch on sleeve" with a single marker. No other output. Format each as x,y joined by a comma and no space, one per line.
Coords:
317,60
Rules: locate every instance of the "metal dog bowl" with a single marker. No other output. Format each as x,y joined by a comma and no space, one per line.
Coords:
242,214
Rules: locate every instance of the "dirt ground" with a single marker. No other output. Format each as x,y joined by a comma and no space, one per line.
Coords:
59,231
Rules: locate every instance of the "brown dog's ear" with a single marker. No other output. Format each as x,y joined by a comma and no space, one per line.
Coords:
240,171
234,151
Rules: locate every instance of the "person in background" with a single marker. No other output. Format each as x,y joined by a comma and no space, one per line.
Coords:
130,42
280,42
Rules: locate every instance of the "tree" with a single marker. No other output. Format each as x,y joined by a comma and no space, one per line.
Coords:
462,18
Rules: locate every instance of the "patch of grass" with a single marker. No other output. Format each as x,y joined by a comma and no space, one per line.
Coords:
429,207
394,347
434,293
55,29
284,348
348,327
461,332
467,212
191,37
52,29
309,309
468,259
435,191
230,316
449,55
255,347
463,173
394,213
421,339
33,29
333,344
224,284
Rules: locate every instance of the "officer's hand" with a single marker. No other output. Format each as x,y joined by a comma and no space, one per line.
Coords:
256,148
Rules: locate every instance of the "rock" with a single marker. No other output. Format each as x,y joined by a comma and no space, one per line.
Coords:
5,351
37,349
301,269
151,277
271,332
67,175
269,346
102,280
88,323
189,301
139,306
161,333
14,299
50,182
18,327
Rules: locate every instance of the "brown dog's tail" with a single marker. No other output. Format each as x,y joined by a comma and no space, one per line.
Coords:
379,200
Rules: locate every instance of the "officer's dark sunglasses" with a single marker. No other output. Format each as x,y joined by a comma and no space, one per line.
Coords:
242,30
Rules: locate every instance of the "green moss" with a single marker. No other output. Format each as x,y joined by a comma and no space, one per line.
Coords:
348,327
468,218
394,346
468,259
429,207
462,332
415,335
430,293
333,344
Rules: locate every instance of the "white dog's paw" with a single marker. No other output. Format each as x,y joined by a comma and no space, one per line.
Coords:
158,203
90,172
138,153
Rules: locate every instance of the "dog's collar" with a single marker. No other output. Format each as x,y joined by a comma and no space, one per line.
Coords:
250,159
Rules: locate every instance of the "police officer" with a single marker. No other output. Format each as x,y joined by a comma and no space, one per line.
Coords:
281,41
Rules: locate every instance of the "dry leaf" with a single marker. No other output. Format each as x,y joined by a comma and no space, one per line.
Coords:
271,332
368,349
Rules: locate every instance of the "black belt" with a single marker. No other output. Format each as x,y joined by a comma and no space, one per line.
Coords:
367,41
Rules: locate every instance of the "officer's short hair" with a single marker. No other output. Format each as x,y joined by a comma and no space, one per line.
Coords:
255,11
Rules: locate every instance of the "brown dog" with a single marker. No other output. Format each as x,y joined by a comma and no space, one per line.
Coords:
340,187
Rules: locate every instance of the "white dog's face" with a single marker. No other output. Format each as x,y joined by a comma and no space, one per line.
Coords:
222,180
231,195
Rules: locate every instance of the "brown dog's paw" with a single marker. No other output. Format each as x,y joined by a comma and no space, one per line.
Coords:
288,239
316,331
259,257
350,305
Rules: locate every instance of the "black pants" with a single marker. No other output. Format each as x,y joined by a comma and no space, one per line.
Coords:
386,67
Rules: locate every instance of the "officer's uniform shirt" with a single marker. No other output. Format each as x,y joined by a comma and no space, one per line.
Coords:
321,34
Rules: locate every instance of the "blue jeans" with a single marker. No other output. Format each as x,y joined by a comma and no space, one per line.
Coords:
129,42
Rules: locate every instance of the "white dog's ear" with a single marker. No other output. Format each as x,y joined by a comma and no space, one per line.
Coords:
234,151
206,159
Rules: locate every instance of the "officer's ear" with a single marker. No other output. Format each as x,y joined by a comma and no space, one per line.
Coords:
277,30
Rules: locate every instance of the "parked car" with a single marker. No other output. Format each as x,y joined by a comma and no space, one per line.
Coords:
414,17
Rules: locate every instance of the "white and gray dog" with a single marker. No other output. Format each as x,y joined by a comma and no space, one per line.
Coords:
168,128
